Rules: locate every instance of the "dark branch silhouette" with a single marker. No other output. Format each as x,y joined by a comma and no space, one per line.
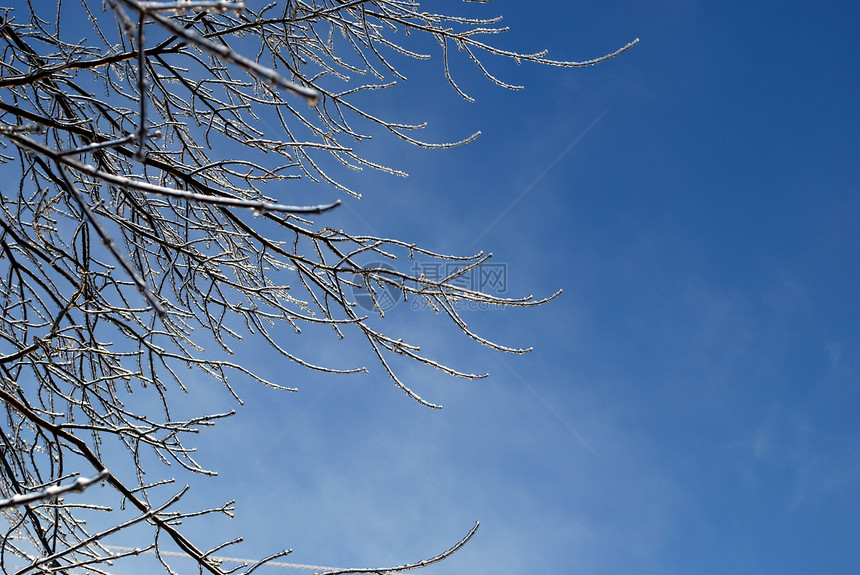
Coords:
129,242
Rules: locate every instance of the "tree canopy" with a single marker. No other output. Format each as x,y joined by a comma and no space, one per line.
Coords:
148,223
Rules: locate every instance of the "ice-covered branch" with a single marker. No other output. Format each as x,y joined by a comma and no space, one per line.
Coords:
410,566
154,146
77,486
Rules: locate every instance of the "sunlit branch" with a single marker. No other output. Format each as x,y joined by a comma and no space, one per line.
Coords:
410,566
77,486
151,224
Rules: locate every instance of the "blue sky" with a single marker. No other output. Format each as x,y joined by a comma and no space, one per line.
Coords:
691,402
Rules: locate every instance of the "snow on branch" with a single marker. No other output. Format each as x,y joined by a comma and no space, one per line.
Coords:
77,486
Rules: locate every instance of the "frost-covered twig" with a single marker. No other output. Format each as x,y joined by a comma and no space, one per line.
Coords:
77,486
410,566
154,146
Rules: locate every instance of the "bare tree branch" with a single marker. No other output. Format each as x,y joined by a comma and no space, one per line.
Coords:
150,223
77,486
